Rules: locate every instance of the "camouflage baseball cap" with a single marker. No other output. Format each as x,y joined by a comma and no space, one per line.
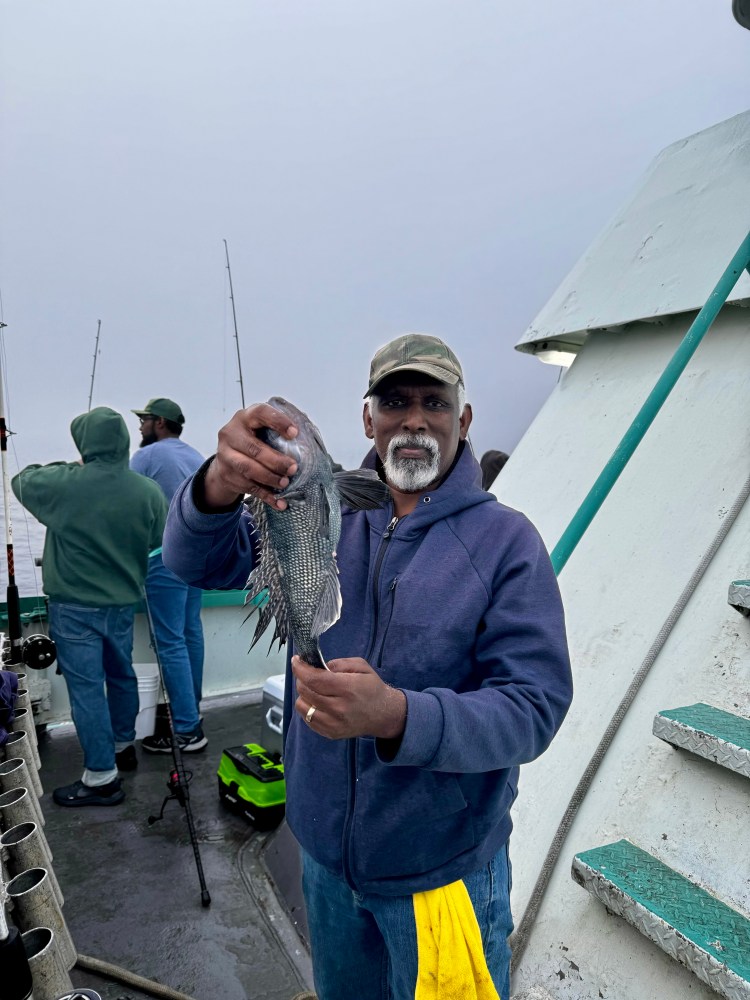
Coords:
160,407
415,352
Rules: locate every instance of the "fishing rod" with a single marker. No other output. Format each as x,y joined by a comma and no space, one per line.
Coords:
13,602
96,355
178,783
236,335
37,651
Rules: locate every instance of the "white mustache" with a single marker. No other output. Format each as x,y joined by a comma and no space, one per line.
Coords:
423,441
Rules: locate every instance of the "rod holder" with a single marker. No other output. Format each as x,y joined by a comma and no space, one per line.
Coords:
17,806
20,677
27,847
25,720
15,774
15,974
34,905
50,977
18,746
81,994
22,698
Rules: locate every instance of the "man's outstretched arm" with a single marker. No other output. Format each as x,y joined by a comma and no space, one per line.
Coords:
207,540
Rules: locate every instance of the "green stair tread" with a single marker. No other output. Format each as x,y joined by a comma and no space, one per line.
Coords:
690,910
713,721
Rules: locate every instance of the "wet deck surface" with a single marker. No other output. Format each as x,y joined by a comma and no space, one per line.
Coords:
132,894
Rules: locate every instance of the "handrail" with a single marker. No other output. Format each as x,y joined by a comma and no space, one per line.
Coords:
645,417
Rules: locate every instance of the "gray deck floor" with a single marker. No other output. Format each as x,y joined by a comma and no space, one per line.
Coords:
132,895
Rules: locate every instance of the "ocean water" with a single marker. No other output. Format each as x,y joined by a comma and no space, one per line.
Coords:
28,543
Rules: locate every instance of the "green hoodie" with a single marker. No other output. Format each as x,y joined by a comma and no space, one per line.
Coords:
102,519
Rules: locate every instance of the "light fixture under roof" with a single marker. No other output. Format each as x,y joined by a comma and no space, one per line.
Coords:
556,352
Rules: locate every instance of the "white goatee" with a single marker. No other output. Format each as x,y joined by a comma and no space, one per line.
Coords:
410,475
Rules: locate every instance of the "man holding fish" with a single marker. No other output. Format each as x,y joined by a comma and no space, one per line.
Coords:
446,667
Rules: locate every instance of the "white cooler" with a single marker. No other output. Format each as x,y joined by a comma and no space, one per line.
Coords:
272,713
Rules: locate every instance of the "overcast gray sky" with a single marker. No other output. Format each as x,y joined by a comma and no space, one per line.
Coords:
376,167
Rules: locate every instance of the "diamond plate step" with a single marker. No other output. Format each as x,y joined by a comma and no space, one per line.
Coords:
685,921
708,732
739,596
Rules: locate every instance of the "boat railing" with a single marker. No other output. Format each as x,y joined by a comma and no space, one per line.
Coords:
647,413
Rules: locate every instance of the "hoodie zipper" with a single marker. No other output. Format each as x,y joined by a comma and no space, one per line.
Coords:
392,595
380,556
347,842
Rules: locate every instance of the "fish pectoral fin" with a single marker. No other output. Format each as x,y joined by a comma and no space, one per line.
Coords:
329,608
361,489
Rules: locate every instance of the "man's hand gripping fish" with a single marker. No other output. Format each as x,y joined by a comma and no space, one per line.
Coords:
297,546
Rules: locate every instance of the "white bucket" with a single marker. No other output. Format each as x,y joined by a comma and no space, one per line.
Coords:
148,696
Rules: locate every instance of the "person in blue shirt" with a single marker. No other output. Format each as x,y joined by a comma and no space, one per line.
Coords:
447,669
175,607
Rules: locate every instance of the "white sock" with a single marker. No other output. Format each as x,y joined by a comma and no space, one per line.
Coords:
96,778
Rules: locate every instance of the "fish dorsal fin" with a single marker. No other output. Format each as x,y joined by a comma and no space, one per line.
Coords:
329,610
361,489
265,577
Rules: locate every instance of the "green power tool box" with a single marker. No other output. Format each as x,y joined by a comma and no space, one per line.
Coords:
251,783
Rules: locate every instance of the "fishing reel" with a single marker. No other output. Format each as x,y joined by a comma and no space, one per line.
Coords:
37,652
177,788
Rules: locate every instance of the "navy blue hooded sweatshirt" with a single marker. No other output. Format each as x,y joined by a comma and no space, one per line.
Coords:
458,606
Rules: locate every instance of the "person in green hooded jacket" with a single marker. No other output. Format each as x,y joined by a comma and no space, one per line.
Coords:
102,521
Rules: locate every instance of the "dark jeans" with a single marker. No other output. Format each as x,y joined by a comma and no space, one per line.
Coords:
94,653
364,947
176,613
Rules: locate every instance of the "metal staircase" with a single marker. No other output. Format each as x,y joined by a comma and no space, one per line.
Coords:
683,919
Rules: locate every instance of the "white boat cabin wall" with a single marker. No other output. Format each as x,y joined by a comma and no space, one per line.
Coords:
619,316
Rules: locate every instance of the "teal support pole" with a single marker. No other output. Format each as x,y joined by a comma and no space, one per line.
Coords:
637,430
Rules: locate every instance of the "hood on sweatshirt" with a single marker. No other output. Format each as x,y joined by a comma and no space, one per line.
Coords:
101,434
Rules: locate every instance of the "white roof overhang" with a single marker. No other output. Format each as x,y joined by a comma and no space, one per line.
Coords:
664,252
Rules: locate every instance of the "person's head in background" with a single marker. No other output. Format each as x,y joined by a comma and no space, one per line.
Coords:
491,463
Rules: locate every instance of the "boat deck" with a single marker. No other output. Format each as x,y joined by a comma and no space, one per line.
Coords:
132,895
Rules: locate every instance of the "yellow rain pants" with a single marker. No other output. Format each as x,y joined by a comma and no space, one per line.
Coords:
451,962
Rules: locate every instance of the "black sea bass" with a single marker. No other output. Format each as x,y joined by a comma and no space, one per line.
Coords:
297,546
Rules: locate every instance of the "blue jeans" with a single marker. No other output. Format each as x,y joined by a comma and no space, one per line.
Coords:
364,947
176,615
94,648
